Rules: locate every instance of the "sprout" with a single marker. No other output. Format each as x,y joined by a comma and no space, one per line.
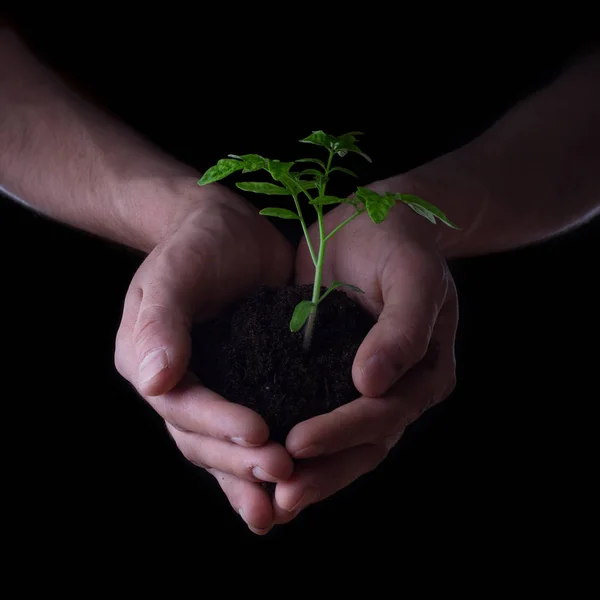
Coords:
290,182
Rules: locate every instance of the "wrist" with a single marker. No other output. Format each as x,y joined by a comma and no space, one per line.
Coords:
152,208
459,184
449,188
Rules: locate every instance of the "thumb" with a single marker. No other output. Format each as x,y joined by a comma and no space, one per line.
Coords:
400,338
162,341
154,340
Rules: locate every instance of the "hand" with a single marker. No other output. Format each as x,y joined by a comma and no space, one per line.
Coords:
215,253
405,364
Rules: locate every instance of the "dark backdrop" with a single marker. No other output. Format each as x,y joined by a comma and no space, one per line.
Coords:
508,457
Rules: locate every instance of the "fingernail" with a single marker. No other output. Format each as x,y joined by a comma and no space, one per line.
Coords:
380,369
310,496
242,442
253,529
263,475
311,451
154,362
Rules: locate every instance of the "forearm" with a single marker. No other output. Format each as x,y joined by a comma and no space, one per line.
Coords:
68,160
533,175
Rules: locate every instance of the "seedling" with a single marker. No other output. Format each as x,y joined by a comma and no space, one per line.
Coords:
293,182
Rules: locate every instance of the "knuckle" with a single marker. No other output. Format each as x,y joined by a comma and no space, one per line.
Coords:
169,410
149,320
411,344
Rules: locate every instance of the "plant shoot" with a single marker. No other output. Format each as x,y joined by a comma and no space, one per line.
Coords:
293,179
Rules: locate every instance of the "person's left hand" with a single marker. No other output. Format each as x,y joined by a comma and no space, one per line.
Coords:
404,366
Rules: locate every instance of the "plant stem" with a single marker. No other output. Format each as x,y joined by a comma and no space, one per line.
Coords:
351,218
305,230
318,277
308,332
329,163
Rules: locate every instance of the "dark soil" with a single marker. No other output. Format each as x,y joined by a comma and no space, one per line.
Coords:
249,356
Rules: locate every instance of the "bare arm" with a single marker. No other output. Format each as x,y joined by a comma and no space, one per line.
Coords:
531,176
68,160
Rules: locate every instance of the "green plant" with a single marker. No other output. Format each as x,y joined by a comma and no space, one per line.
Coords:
290,182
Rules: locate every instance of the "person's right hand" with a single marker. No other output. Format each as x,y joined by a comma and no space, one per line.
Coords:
216,252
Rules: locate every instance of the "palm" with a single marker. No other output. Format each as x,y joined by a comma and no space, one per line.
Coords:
368,257
234,249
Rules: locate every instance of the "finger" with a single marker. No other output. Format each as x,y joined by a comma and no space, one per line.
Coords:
316,479
269,463
160,305
412,299
249,500
194,408
155,332
369,420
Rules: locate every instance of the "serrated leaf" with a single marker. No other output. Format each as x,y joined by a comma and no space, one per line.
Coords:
347,143
365,194
312,160
426,209
252,162
322,200
422,211
282,213
223,168
301,313
378,206
260,187
344,170
278,169
320,138
354,148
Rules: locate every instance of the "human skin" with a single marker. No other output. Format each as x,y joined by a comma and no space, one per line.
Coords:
531,176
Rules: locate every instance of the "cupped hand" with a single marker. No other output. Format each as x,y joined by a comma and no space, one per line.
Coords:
405,364
219,250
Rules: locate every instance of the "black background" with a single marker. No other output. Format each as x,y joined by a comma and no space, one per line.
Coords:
508,457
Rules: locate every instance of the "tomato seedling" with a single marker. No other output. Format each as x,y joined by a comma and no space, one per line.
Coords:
293,182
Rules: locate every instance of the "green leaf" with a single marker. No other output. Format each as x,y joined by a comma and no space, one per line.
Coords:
259,187
312,160
320,138
337,284
225,167
322,200
282,213
422,211
298,185
307,185
425,209
278,169
309,172
252,162
301,313
378,206
343,170
346,143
